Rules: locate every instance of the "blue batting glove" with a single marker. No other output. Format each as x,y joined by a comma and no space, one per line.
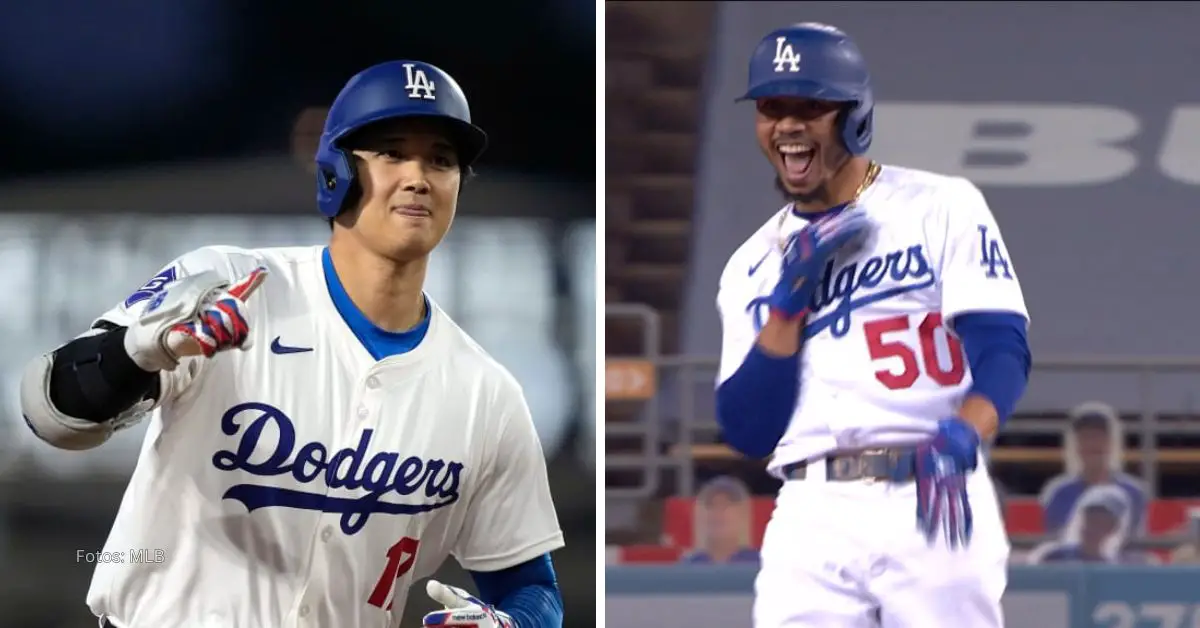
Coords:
941,468
804,256
960,440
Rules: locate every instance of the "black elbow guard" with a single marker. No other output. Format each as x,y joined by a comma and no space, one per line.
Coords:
93,378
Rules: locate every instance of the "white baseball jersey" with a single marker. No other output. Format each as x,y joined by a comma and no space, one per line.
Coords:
879,366
303,483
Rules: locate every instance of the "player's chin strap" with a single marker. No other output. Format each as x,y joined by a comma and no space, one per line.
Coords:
463,610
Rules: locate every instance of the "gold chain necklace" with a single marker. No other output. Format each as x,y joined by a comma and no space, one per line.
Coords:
873,170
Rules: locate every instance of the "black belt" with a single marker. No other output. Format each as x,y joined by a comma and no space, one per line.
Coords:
887,465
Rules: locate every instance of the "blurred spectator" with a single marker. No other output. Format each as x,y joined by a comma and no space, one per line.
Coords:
722,523
1098,532
1189,552
1092,452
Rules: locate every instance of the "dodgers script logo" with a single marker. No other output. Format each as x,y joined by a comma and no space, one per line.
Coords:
907,268
380,474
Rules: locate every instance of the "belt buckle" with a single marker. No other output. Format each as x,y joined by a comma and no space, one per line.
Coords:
870,477
851,467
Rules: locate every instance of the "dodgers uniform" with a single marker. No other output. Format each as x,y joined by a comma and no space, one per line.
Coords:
302,466
879,368
303,483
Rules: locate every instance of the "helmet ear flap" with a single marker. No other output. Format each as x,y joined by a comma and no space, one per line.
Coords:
856,124
335,179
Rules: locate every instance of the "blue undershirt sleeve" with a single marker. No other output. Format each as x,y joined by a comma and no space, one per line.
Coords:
528,592
755,404
998,353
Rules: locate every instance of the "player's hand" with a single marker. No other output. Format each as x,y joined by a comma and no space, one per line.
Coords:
941,468
463,610
805,254
199,315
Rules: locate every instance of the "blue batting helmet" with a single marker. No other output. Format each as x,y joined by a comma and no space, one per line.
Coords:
816,61
395,89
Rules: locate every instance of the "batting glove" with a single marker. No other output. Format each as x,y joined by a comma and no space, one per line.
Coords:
941,468
804,256
463,610
199,315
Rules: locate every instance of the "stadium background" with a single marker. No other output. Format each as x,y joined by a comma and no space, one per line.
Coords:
1070,117
136,131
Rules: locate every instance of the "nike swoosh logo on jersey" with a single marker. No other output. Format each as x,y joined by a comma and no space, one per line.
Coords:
281,349
754,267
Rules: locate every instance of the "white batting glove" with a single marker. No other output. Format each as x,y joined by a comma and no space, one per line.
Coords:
463,610
199,315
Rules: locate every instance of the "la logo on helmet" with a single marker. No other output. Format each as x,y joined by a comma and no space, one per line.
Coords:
417,83
785,54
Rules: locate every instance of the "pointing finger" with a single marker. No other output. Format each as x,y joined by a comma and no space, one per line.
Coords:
248,284
443,594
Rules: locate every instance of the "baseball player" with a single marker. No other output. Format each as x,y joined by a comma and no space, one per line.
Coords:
873,337
322,434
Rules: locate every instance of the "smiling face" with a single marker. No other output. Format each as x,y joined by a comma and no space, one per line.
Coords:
800,137
409,178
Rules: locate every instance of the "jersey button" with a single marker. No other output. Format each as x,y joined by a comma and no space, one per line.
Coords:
326,533
372,382
363,412
304,611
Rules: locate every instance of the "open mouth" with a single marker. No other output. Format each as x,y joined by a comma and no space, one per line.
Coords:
797,160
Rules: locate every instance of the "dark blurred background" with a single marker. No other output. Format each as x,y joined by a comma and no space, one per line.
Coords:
137,130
